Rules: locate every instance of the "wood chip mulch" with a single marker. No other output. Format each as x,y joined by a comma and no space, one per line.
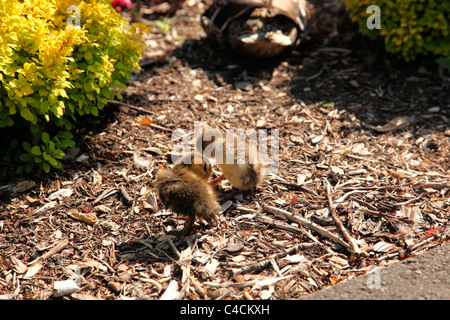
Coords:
363,178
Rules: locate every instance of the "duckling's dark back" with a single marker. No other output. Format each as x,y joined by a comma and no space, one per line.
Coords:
186,193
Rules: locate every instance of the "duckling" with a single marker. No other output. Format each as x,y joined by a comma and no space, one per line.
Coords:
238,162
184,190
198,165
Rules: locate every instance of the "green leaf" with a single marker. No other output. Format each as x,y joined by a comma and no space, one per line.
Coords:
88,55
36,151
46,167
27,91
45,137
25,157
66,135
107,93
46,156
44,106
58,165
29,167
43,92
26,146
34,129
28,115
51,147
71,144
58,154
53,162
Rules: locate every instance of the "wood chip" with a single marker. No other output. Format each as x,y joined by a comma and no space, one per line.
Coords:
88,217
65,287
171,292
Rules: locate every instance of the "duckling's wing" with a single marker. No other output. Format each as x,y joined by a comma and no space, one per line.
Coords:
188,196
178,195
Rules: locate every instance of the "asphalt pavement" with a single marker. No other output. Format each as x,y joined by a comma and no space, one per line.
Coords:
422,277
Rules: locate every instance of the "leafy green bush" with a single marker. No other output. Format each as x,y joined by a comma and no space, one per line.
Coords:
409,27
59,59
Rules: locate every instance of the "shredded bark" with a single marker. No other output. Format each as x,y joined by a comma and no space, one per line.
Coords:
353,189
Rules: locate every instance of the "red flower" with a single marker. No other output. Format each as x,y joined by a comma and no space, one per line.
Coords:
118,4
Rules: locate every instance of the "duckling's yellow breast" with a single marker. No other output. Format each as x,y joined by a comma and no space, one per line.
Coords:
235,174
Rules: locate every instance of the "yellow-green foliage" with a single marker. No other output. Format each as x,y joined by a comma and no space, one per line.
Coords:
52,70
408,27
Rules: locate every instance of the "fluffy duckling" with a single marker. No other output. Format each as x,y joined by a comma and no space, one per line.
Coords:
238,162
184,190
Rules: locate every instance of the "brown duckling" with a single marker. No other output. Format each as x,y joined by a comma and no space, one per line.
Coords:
239,163
184,189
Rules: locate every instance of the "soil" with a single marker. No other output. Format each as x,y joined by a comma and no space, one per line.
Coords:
364,141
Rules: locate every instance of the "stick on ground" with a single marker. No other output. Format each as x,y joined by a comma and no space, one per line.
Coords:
353,245
308,224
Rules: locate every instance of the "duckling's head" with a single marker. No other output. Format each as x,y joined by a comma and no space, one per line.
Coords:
196,164
209,136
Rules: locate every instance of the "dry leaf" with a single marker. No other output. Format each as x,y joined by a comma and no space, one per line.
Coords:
96,177
62,288
61,194
145,122
102,208
297,139
360,149
412,213
88,217
337,172
211,267
395,124
317,139
151,202
339,261
260,123
292,197
171,292
141,161
23,186
18,265
33,270
382,246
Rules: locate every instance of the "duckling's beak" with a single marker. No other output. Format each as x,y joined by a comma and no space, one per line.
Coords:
215,181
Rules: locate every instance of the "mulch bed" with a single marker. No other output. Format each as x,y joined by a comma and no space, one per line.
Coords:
362,182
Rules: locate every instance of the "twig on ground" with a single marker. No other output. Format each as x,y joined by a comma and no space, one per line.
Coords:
308,224
264,263
350,239
130,106
51,252
174,248
108,192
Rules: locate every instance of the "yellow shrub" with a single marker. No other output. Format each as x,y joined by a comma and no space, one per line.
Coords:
409,27
60,59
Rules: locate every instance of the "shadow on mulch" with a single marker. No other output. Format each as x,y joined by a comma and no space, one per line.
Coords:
224,66
337,65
